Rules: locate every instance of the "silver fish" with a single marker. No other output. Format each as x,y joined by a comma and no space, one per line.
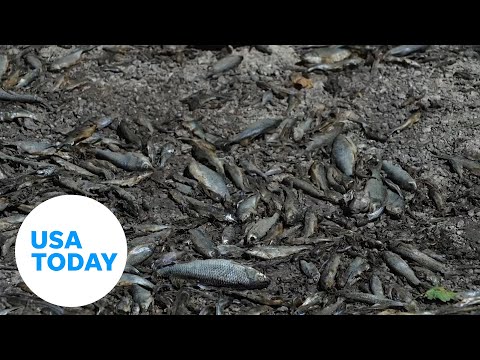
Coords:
356,267
416,255
128,161
256,129
327,55
344,153
259,229
376,286
399,266
131,279
399,176
237,176
210,180
203,244
310,270
247,207
274,252
227,63
139,254
327,280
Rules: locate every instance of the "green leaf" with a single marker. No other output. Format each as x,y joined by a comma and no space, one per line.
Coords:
440,293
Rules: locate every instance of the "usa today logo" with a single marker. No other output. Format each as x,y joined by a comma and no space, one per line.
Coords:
71,250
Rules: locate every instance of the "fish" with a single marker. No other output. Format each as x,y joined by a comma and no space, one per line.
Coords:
400,267
34,147
344,154
311,301
326,137
327,55
310,223
292,209
399,176
3,65
273,234
11,222
354,61
310,270
376,191
204,151
125,132
414,118
369,299
24,98
256,129
237,176
68,60
247,207
72,167
141,296
218,272
419,257
230,251
129,161
132,279
274,252
212,182
300,130
376,286
168,258
251,168
458,163
229,235
203,244
129,182
139,254
209,211
28,78
436,196
394,204
266,49
356,267
404,50
225,64
259,229
327,279
167,151
306,187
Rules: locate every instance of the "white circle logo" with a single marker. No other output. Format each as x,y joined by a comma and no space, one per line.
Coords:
71,250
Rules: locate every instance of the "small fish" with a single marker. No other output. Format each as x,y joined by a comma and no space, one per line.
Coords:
203,244
72,167
306,187
419,257
410,121
376,191
225,64
404,50
237,176
218,272
168,258
300,130
394,204
310,302
251,168
141,296
210,180
399,266
103,122
273,234
11,222
131,279
327,280
129,182
327,55
344,154
436,196
399,176
369,299
247,207
292,210
204,151
209,211
376,286
310,270
25,98
356,267
139,254
458,163
167,151
259,229
354,61
326,137
264,49
33,61
274,252
3,65
68,60
310,223
125,132
28,78
80,133
34,147
230,251
229,235
129,161
256,129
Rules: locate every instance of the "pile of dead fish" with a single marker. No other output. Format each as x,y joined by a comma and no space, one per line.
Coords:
261,212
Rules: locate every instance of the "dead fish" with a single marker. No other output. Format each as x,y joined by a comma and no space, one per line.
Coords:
458,163
404,50
400,267
251,168
225,64
68,60
230,251
256,129
410,121
338,180
34,147
139,254
204,151
3,65
354,61
129,182
419,257
168,258
210,180
273,234
97,170
394,204
356,267
376,286
264,49
279,91
203,244
327,280
369,299
131,279
198,99
310,223
128,161
285,127
168,150
327,55
237,176
274,252
80,133
310,302
11,222
17,114
28,78
146,228
326,137
247,207
300,130
344,154
306,187
209,211
125,132
330,309
435,195
142,297
319,178
218,272
376,191
103,122
229,235
72,167
399,176
292,209
259,229
310,270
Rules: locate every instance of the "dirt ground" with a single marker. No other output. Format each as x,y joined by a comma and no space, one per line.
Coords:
146,87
